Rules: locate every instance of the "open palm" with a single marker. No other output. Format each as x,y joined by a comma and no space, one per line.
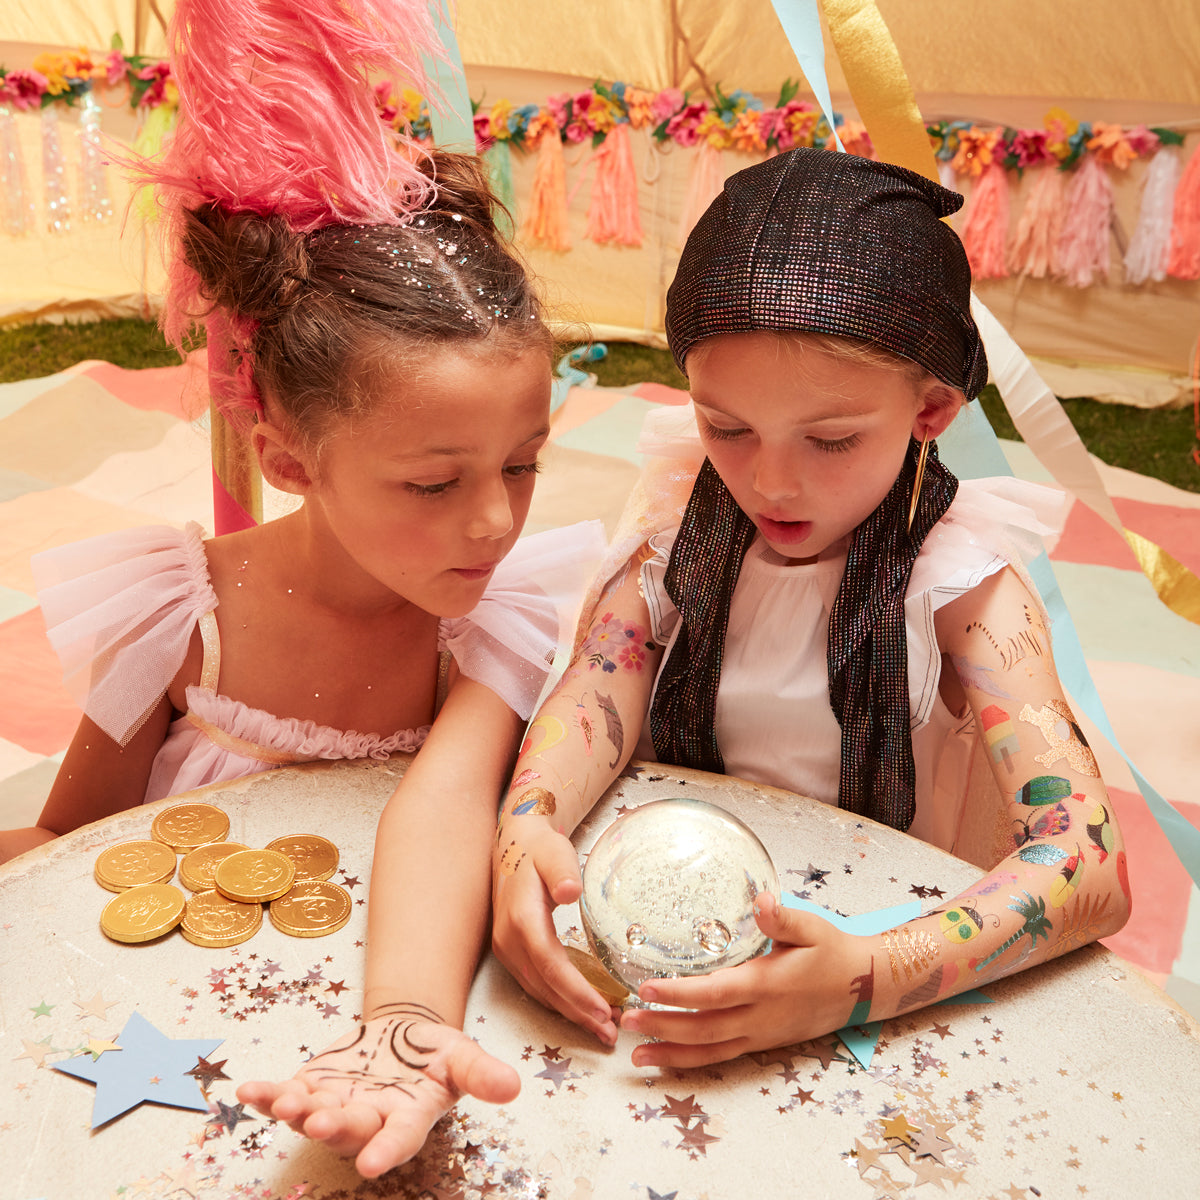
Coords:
377,1092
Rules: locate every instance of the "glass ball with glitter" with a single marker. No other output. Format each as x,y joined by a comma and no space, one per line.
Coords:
669,889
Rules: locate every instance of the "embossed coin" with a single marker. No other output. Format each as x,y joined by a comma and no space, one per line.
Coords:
315,857
312,908
593,971
198,866
142,913
254,876
130,863
186,826
211,919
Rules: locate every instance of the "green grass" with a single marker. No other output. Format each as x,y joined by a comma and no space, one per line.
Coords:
30,351
1156,442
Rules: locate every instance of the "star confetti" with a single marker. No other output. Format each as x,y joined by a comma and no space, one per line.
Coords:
152,1067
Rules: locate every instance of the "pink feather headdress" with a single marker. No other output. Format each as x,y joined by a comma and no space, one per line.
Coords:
277,116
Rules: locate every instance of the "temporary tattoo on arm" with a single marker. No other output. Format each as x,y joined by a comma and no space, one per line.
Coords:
512,858
1023,644
999,735
544,731
585,726
1066,740
1034,922
387,1053
1050,823
962,923
613,642
1100,831
612,725
1043,789
536,802
1063,886
862,986
909,950
978,677
1081,924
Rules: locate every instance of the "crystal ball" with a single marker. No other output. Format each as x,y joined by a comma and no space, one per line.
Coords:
669,889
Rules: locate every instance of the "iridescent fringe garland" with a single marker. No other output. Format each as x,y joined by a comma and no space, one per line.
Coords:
90,199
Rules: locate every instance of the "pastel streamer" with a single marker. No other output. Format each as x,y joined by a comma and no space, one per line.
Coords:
16,204
801,21
450,116
970,449
879,85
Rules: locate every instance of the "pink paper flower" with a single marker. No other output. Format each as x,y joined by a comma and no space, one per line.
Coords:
1032,148
684,126
24,89
483,132
668,102
114,68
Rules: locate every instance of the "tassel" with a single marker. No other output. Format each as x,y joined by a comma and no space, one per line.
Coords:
1184,262
16,202
498,158
1035,246
1087,223
704,186
613,214
93,172
546,222
54,174
1150,246
985,227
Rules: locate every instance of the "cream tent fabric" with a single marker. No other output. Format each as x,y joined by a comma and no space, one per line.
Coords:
991,61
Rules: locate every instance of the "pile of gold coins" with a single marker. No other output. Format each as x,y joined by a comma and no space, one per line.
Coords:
230,883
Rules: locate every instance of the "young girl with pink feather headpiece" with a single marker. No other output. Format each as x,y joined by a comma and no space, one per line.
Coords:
378,344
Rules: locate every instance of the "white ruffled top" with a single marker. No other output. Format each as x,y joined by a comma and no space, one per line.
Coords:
774,723
121,610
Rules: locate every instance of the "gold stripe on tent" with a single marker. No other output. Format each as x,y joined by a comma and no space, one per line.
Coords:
887,106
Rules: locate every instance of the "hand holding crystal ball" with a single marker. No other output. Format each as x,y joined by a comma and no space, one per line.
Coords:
669,889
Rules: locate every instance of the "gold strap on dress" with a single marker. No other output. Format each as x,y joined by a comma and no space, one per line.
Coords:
210,667
242,746
445,658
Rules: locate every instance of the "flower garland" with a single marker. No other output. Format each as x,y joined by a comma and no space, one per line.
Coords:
67,78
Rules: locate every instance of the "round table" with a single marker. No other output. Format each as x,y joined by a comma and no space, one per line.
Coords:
1076,1078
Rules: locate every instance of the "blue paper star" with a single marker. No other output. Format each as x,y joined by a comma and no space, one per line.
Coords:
149,1066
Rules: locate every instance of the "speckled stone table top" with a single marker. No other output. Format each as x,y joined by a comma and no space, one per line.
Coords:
1078,1078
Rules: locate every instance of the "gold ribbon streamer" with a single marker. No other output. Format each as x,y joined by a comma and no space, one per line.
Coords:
879,84
887,105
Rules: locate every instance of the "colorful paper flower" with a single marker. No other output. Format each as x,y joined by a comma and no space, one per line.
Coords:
23,89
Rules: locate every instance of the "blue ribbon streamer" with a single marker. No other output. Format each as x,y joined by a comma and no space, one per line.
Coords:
801,21
451,118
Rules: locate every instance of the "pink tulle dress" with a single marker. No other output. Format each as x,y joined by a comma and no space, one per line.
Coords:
121,609
774,722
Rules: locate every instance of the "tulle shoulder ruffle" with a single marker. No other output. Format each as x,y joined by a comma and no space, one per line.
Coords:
509,640
120,610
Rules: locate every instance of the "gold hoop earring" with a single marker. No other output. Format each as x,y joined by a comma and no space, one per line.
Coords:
920,476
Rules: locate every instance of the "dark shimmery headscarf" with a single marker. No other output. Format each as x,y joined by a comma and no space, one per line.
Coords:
819,242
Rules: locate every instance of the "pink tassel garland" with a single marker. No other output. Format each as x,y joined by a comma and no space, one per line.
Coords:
1184,262
1035,245
1083,244
985,228
704,186
613,214
1150,247
545,221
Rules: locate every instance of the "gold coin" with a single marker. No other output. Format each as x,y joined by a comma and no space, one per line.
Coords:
315,857
142,913
254,876
186,826
198,866
591,969
130,863
211,919
312,908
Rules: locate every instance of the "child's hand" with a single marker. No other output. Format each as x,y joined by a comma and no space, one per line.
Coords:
376,1093
535,870
800,990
